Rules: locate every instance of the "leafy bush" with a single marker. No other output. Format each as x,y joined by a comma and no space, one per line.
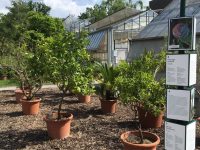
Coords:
107,88
84,80
64,57
6,71
137,83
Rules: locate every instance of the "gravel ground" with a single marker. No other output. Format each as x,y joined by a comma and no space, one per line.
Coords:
90,129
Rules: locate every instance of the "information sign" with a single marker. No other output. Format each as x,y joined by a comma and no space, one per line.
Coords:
180,104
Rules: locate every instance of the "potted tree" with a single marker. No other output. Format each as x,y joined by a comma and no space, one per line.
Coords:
28,71
107,88
139,87
31,103
64,54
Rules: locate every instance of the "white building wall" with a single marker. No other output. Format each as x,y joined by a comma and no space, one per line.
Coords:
137,47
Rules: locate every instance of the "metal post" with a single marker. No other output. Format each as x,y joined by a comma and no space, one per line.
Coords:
139,22
182,8
109,47
182,14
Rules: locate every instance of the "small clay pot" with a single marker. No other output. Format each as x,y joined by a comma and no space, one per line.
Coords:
84,98
59,129
108,106
131,146
31,107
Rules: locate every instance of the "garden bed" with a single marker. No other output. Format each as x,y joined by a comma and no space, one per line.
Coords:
90,129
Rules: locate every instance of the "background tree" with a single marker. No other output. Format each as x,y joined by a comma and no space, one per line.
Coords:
24,28
14,24
96,13
115,5
108,7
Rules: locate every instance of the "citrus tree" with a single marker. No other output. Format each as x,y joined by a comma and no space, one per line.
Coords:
64,56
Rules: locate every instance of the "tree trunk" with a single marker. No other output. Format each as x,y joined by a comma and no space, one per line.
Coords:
60,105
141,135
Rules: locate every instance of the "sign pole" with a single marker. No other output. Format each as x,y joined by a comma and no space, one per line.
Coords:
182,14
182,8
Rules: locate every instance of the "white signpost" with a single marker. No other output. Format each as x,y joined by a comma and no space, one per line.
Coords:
180,128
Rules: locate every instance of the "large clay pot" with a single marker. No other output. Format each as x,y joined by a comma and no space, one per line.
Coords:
59,129
84,98
108,106
18,95
131,146
148,120
31,107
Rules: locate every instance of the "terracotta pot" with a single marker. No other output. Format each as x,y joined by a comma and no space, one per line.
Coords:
59,129
131,146
148,120
31,107
84,98
108,106
18,95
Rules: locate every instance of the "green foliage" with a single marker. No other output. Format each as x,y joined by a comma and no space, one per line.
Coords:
8,83
64,56
6,71
38,7
114,5
28,70
137,83
22,32
107,88
107,7
14,24
84,79
96,13
44,24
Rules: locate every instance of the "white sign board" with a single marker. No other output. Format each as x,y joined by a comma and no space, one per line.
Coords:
181,69
180,104
180,137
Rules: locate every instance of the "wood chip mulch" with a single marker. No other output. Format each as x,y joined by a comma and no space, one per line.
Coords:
90,128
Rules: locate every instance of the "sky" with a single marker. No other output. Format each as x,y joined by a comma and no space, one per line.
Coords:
62,8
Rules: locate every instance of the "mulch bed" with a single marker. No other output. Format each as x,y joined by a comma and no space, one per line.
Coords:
90,129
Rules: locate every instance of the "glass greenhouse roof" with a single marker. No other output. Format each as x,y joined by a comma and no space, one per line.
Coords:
159,26
95,40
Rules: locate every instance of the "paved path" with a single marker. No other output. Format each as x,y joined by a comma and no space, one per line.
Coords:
14,87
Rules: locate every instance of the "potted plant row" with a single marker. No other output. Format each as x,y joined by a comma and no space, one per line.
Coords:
54,55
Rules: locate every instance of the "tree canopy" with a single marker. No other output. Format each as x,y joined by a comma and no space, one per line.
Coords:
108,7
22,18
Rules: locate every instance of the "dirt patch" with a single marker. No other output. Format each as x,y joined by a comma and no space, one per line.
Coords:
90,128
